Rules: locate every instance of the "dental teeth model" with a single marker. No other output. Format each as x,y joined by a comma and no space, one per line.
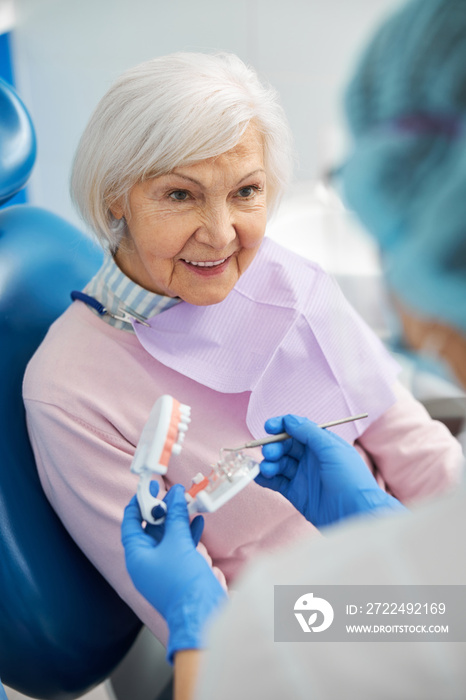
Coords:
228,477
162,436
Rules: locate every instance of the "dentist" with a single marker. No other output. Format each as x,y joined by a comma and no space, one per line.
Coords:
406,179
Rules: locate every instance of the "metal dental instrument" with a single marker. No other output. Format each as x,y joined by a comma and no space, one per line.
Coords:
283,436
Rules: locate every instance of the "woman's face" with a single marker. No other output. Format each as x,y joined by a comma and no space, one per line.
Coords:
192,233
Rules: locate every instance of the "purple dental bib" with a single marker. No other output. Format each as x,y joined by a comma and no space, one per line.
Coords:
285,334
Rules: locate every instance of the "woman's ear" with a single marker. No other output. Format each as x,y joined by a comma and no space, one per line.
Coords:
117,210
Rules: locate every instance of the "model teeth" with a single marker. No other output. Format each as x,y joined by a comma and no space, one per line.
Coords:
183,425
206,264
185,411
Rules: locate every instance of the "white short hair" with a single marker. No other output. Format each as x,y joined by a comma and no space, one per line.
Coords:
170,112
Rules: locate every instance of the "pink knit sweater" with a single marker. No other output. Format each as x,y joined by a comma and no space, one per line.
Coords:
88,392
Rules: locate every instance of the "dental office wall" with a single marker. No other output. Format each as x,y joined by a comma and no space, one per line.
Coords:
66,53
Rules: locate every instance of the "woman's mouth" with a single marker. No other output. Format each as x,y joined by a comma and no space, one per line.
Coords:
207,267
206,263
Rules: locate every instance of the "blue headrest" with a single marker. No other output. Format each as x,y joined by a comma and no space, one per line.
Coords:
63,629
17,141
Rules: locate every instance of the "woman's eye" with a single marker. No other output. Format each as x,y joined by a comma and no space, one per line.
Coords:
179,195
246,192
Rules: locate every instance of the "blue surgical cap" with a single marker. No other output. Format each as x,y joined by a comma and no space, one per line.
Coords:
406,175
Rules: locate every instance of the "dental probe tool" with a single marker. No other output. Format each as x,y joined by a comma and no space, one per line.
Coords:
283,436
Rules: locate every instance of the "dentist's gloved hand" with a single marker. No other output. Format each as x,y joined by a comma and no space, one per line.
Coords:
170,573
319,473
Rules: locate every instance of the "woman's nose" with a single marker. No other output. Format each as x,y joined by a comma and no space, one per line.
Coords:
217,228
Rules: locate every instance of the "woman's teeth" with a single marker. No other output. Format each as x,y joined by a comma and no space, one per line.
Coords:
205,264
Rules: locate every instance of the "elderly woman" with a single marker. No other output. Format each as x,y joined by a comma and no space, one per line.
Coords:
176,172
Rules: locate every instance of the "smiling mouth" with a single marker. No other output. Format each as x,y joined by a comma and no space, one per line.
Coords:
199,263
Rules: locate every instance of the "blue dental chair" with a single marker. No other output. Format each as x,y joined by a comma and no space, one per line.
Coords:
63,629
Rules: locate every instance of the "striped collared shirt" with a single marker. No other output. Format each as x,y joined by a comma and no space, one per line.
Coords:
114,289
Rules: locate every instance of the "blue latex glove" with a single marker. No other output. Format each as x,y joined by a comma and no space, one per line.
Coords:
2,692
157,531
170,573
319,473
